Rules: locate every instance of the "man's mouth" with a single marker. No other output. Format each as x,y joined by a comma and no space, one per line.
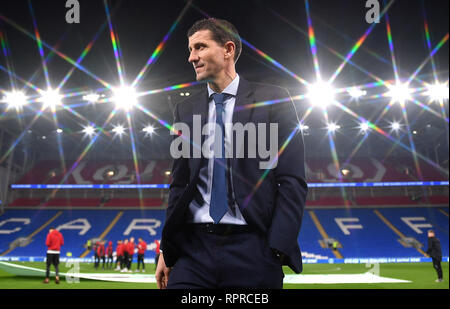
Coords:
198,66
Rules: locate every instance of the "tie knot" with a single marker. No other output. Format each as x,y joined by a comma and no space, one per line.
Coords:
219,98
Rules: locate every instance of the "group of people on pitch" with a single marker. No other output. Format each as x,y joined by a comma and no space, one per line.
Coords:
125,251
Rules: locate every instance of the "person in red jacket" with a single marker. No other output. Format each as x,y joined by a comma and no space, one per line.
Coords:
119,255
101,253
157,251
130,250
96,257
53,242
125,256
142,246
109,254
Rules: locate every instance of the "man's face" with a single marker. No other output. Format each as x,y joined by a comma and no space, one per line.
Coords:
206,55
430,234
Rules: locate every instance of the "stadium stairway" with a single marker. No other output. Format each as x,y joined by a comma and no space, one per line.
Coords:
361,233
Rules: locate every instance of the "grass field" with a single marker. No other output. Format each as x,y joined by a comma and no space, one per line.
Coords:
422,276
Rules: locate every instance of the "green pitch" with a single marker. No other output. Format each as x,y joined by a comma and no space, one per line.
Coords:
421,275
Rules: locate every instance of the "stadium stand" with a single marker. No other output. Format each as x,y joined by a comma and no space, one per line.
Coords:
361,233
362,222
96,172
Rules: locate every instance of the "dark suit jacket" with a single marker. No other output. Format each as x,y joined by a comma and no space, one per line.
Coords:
434,248
275,208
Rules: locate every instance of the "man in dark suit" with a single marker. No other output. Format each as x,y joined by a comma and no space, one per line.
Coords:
435,252
232,220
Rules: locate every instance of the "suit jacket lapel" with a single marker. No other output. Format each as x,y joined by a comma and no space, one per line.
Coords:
242,109
200,108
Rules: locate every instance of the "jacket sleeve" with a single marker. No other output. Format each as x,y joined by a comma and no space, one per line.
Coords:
180,172
61,238
180,177
290,179
47,241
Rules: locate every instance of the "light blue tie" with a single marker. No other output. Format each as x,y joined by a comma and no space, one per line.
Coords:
219,203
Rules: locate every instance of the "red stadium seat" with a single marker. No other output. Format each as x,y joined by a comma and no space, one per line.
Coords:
74,202
26,202
134,202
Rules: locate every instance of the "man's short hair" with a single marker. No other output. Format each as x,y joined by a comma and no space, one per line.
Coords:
222,32
431,231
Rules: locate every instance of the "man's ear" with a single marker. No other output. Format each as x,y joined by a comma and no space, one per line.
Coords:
230,49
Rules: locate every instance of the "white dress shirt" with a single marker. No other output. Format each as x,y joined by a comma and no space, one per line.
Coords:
200,213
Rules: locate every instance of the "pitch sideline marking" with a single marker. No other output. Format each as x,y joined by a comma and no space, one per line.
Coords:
150,278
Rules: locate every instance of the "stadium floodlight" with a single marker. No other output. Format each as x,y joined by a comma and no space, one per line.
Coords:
51,98
303,127
91,97
125,97
345,171
321,94
364,127
437,92
395,126
89,130
332,127
399,92
356,93
119,130
59,131
15,99
148,130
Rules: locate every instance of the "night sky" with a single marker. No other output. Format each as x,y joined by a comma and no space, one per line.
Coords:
277,28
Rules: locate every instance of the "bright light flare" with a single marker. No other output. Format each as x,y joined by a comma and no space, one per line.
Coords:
364,127
303,127
89,130
15,99
321,94
51,98
395,126
125,97
400,93
91,97
356,93
148,130
332,127
119,130
437,92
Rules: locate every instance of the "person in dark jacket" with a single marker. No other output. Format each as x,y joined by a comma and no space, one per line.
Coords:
435,252
233,217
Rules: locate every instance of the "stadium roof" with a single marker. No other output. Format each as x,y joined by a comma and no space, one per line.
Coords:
289,43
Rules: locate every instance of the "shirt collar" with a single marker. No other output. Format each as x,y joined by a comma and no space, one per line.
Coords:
231,89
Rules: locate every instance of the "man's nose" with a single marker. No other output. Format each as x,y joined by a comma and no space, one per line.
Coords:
193,57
